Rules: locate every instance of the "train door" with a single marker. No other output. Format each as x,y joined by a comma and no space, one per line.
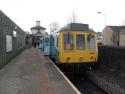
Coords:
47,45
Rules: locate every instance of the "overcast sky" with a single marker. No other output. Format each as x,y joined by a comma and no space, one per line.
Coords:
26,12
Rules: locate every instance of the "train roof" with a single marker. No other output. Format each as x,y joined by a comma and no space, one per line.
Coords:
75,27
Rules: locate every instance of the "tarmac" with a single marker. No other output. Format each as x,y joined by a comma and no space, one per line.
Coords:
32,73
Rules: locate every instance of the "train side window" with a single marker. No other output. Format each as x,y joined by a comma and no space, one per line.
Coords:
91,42
68,41
57,41
80,41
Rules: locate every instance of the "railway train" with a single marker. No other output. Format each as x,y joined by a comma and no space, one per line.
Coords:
75,47
45,44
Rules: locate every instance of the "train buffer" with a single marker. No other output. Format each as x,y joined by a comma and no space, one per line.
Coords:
32,73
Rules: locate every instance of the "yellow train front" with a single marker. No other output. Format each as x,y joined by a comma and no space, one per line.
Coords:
75,46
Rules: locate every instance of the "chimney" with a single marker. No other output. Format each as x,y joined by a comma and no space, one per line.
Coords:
37,23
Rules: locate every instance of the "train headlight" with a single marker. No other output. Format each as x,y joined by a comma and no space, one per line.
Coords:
81,59
68,58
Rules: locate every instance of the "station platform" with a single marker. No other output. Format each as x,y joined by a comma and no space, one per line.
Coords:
33,73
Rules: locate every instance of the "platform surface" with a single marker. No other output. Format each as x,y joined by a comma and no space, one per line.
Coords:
32,73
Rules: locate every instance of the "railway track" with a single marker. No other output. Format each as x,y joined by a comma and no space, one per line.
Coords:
82,83
85,85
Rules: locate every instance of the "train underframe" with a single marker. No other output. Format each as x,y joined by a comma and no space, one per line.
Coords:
78,68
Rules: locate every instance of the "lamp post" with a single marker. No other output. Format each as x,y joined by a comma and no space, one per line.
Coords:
104,16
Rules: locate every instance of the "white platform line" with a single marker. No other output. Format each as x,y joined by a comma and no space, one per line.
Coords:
76,90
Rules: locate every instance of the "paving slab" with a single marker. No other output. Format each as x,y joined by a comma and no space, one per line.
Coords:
32,73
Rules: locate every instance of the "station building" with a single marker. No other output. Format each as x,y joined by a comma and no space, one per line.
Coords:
37,33
114,36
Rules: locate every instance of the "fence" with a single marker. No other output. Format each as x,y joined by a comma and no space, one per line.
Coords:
112,58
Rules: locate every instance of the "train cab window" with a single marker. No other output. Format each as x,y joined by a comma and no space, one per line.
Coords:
80,41
68,41
91,42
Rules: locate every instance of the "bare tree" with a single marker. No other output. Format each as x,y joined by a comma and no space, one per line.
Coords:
54,26
73,18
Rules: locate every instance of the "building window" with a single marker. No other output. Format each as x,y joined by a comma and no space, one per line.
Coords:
14,33
19,42
8,43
